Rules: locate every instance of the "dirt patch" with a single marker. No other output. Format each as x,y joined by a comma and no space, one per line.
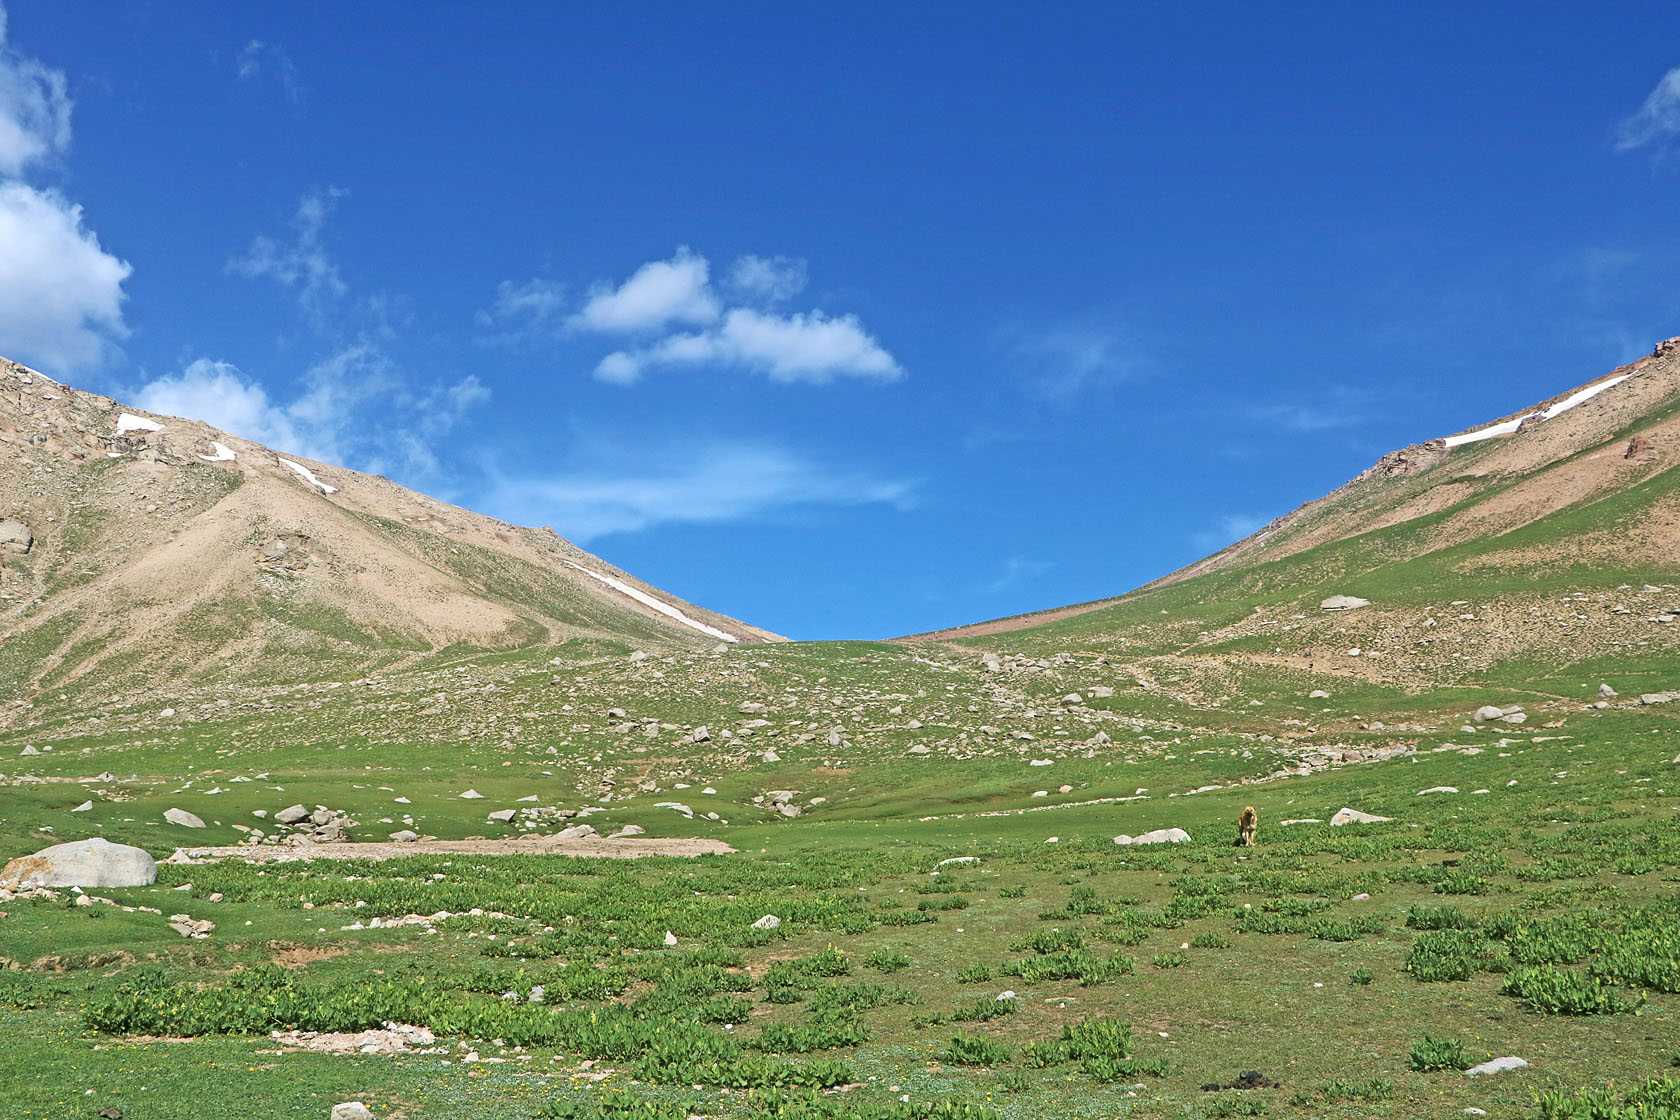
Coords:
297,956
597,847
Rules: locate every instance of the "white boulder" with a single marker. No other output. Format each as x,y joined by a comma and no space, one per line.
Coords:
82,863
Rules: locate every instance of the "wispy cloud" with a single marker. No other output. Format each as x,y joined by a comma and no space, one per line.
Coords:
1658,119
608,490
34,109
524,312
259,59
301,265
60,293
353,408
766,280
1015,571
1065,362
1228,529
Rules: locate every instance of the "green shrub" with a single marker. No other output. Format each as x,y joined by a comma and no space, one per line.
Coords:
1554,991
975,1050
883,960
974,974
1430,1054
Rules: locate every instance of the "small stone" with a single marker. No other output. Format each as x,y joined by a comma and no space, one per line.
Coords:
1497,1065
1158,836
769,921
670,940
472,795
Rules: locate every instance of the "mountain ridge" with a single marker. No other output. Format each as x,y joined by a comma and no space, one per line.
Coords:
131,526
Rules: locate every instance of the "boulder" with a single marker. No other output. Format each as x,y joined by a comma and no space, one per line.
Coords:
700,735
472,795
1318,694
1354,816
183,818
1659,697
1487,712
15,538
502,816
405,836
677,805
1497,1065
577,832
351,1110
1158,836
638,657
83,863
629,830
769,921
1343,603
291,815
1438,789
1606,692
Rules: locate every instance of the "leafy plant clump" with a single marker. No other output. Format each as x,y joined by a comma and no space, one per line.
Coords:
1430,1053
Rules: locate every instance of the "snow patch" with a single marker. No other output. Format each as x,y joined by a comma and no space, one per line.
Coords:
1509,426
644,598
308,476
224,454
128,422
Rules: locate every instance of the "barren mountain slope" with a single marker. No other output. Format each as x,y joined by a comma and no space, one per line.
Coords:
135,546
1610,437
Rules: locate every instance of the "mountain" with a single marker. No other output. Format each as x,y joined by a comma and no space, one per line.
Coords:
1573,496
137,548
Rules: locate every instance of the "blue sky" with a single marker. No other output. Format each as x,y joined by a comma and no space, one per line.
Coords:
847,322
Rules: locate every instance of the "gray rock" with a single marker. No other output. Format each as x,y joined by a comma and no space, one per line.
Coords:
1487,712
1354,816
502,815
291,815
405,836
1606,691
578,832
1318,694
638,656
472,795
1497,1065
15,538
83,863
1659,697
677,805
1343,603
1158,836
700,734
1438,789
629,830
769,921
351,1110
183,818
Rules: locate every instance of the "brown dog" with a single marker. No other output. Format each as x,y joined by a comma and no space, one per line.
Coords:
1247,824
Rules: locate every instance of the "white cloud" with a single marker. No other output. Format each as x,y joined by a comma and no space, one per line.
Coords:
754,279
1064,362
354,409
708,484
34,109
259,58
60,293
303,265
220,395
658,294
804,346
1657,120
